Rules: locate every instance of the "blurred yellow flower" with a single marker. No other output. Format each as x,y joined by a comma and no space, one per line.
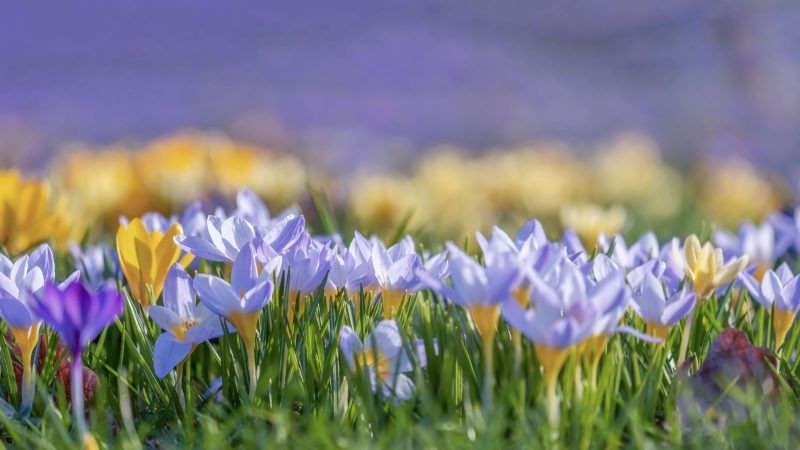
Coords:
590,221
146,257
706,267
175,168
279,179
629,169
381,203
102,185
29,215
733,191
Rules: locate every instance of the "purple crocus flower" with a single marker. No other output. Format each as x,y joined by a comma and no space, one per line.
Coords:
345,273
280,237
78,315
19,281
482,290
641,251
240,301
27,275
574,247
186,324
306,266
395,271
779,289
92,261
660,309
221,241
533,232
570,309
386,344
758,243
787,231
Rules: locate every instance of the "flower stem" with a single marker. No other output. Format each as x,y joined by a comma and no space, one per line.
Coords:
553,407
179,385
488,372
28,383
76,376
687,330
516,339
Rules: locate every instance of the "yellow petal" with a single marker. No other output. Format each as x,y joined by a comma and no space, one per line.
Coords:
691,250
730,271
166,254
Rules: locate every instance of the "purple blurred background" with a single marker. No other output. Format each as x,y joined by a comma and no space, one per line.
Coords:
376,82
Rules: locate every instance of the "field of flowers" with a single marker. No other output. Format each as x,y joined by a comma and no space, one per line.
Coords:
200,292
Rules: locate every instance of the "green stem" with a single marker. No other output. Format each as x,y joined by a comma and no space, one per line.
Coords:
28,384
687,330
179,386
553,407
516,339
76,376
488,373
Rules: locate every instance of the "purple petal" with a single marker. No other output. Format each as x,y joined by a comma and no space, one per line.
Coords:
245,272
217,295
200,248
350,344
178,293
163,317
168,353
258,297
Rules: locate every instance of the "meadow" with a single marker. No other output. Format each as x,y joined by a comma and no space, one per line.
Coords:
202,293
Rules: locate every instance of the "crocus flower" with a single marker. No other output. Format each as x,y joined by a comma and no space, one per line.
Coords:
221,241
395,270
251,208
192,221
569,312
659,309
30,214
641,251
305,267
787,231
481,290
281,236
345,273
384,357
779,290
185,323
92,262
758,243
79,316
18,280
240,302
146,257
591,221
706,267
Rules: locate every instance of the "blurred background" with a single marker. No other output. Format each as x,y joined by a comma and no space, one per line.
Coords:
358,86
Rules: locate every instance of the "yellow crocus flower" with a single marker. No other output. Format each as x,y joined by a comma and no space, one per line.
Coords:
706,267
146,257
590,221
28,216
